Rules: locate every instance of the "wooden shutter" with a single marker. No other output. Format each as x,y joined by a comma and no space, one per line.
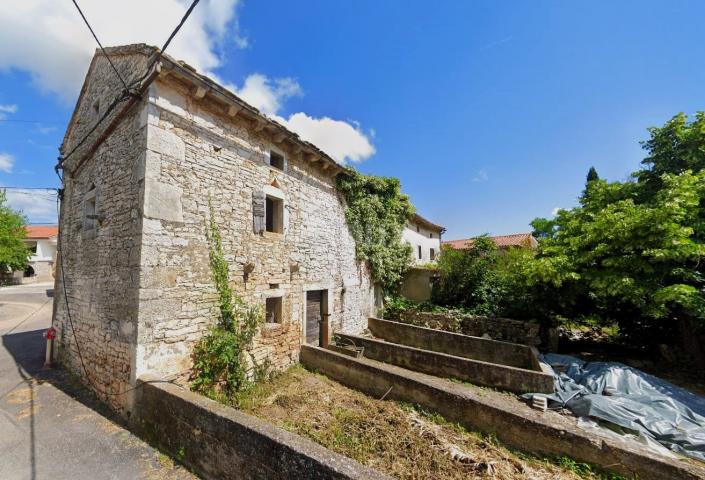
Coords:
258,211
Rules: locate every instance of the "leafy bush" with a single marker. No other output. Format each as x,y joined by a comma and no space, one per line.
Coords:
376,212
469,278
219,363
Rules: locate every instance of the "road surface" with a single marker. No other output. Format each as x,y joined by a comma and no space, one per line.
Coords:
51,427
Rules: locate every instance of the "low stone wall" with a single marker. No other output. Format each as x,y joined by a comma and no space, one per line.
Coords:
220,442
505,329
512,422
482,349
513,379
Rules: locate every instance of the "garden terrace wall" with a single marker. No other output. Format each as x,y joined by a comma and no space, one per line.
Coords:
505,329
482,349
516,424
220,442
518,380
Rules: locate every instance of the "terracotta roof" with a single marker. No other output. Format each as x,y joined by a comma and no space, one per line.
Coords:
502,241
41,231
427,223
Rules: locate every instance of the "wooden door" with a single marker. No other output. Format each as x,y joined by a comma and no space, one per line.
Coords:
314,310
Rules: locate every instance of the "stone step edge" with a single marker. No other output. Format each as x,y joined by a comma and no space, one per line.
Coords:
547,378
525,430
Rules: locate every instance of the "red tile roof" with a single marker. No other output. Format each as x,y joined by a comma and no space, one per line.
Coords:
42,231
502,241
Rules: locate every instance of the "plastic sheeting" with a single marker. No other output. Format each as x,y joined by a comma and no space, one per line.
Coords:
628,399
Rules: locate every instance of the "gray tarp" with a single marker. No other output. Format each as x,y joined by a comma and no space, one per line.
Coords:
626,397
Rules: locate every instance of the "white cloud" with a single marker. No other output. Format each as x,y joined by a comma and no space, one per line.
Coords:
341,140
6,162
555,211
344,141
49,40
5,109
39,206
267,95
480,176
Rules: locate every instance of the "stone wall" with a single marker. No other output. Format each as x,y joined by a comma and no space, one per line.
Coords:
218,442
197,154
101,264
138,278
505,329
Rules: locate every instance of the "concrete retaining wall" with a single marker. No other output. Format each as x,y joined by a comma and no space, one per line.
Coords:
512,422
492,351
514,379
220,442
505,329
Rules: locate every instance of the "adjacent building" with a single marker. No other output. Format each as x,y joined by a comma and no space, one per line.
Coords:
41,240
503,242
137,196
425,238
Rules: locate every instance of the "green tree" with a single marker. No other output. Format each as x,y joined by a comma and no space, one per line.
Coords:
14,253
468,278
543,228
376,211
591,175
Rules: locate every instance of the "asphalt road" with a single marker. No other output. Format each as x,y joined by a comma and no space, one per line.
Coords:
51,427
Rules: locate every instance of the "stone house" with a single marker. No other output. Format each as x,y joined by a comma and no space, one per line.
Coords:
136,196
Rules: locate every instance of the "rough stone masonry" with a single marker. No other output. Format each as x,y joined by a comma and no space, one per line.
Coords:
133,219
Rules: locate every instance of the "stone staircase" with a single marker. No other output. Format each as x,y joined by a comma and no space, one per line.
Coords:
480,361
414,364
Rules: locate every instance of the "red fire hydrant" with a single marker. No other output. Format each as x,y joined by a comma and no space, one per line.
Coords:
50,335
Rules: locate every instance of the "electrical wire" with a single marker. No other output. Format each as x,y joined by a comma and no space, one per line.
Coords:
100,44
95,386
126,93
168,41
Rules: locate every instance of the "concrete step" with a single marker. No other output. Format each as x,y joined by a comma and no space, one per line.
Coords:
475,348
486,374
511,421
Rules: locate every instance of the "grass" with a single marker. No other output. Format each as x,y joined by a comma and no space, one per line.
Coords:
400,439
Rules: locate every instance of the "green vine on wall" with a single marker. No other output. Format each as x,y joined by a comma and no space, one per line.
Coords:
376,212
219,362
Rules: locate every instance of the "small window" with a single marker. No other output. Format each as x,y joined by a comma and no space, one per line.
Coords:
417,229
430,235
90,213
432,254
32,247
276,160
274,213
274,310
419,248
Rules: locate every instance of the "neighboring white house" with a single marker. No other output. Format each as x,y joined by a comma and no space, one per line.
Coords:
425,238
41,240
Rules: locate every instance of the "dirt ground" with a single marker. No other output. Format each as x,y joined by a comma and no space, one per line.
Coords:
400,439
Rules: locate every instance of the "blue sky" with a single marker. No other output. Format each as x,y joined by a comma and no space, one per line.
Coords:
490,112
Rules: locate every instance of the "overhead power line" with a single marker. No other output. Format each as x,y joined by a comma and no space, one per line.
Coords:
100,44
125,94
12,120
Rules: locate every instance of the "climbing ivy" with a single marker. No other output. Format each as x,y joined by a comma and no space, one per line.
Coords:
376,212
219,362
